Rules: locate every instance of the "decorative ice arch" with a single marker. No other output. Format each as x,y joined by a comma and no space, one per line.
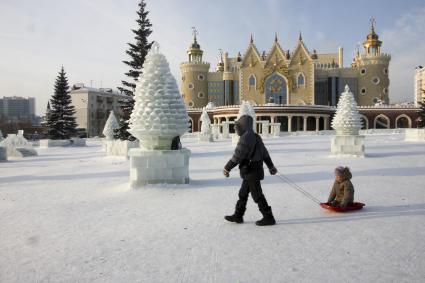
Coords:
276,87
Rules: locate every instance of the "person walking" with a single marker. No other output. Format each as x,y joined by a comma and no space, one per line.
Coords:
250,153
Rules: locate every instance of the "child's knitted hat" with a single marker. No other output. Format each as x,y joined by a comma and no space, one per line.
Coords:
339,171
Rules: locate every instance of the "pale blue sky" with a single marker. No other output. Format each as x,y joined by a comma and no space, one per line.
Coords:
89,37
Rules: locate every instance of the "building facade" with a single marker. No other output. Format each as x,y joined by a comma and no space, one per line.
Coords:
419,85
16,108
298,89
294,118
92,106
284,77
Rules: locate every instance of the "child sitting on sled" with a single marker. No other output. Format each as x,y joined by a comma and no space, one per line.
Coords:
342,194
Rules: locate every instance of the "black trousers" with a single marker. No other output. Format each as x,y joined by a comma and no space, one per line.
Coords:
254,187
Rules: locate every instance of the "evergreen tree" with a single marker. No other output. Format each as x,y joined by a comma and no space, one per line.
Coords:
421,118
137,52
61,121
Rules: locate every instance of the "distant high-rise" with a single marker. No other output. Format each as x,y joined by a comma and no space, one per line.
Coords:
16,108
419,85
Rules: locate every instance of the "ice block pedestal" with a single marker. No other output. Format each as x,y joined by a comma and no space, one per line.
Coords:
158,120
158,167
348,145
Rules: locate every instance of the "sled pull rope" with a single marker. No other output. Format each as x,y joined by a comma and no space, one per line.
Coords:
298,188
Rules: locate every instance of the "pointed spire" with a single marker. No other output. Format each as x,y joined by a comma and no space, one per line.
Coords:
194,32
48,105
275,37
251,40
372,24
300,37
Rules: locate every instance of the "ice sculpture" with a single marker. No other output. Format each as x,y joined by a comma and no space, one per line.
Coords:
347,123
244,109
18,146
205,135
347,119
158,119
110,125
159,114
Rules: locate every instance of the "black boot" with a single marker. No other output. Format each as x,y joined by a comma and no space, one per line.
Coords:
237,217
268,218
234,218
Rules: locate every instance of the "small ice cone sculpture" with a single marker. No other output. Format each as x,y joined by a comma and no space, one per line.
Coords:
247,109
347,120
206,122
110,126
159,114
243,110
251,111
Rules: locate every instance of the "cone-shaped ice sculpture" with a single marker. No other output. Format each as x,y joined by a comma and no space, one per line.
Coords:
347,120
110,125
251,111
244,109
206,122
159,114
205,135
347,123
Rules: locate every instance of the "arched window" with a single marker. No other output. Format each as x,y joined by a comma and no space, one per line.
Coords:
382,122
365,122
252,81
300,80
403,121
276,87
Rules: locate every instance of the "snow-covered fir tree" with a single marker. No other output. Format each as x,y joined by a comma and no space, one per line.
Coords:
110,126
347,119
159,114
137,52
61,121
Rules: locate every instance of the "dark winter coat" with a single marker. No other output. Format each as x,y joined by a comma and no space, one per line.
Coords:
342,193
250,151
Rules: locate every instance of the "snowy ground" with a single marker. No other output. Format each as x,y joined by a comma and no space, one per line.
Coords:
68,215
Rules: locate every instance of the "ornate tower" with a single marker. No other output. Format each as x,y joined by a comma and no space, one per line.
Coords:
372,66
194,76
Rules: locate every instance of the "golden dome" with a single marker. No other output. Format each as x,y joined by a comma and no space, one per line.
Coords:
372,39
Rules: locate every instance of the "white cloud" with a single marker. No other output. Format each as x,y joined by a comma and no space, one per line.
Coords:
406,44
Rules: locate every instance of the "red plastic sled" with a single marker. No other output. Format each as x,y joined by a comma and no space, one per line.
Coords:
353,206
